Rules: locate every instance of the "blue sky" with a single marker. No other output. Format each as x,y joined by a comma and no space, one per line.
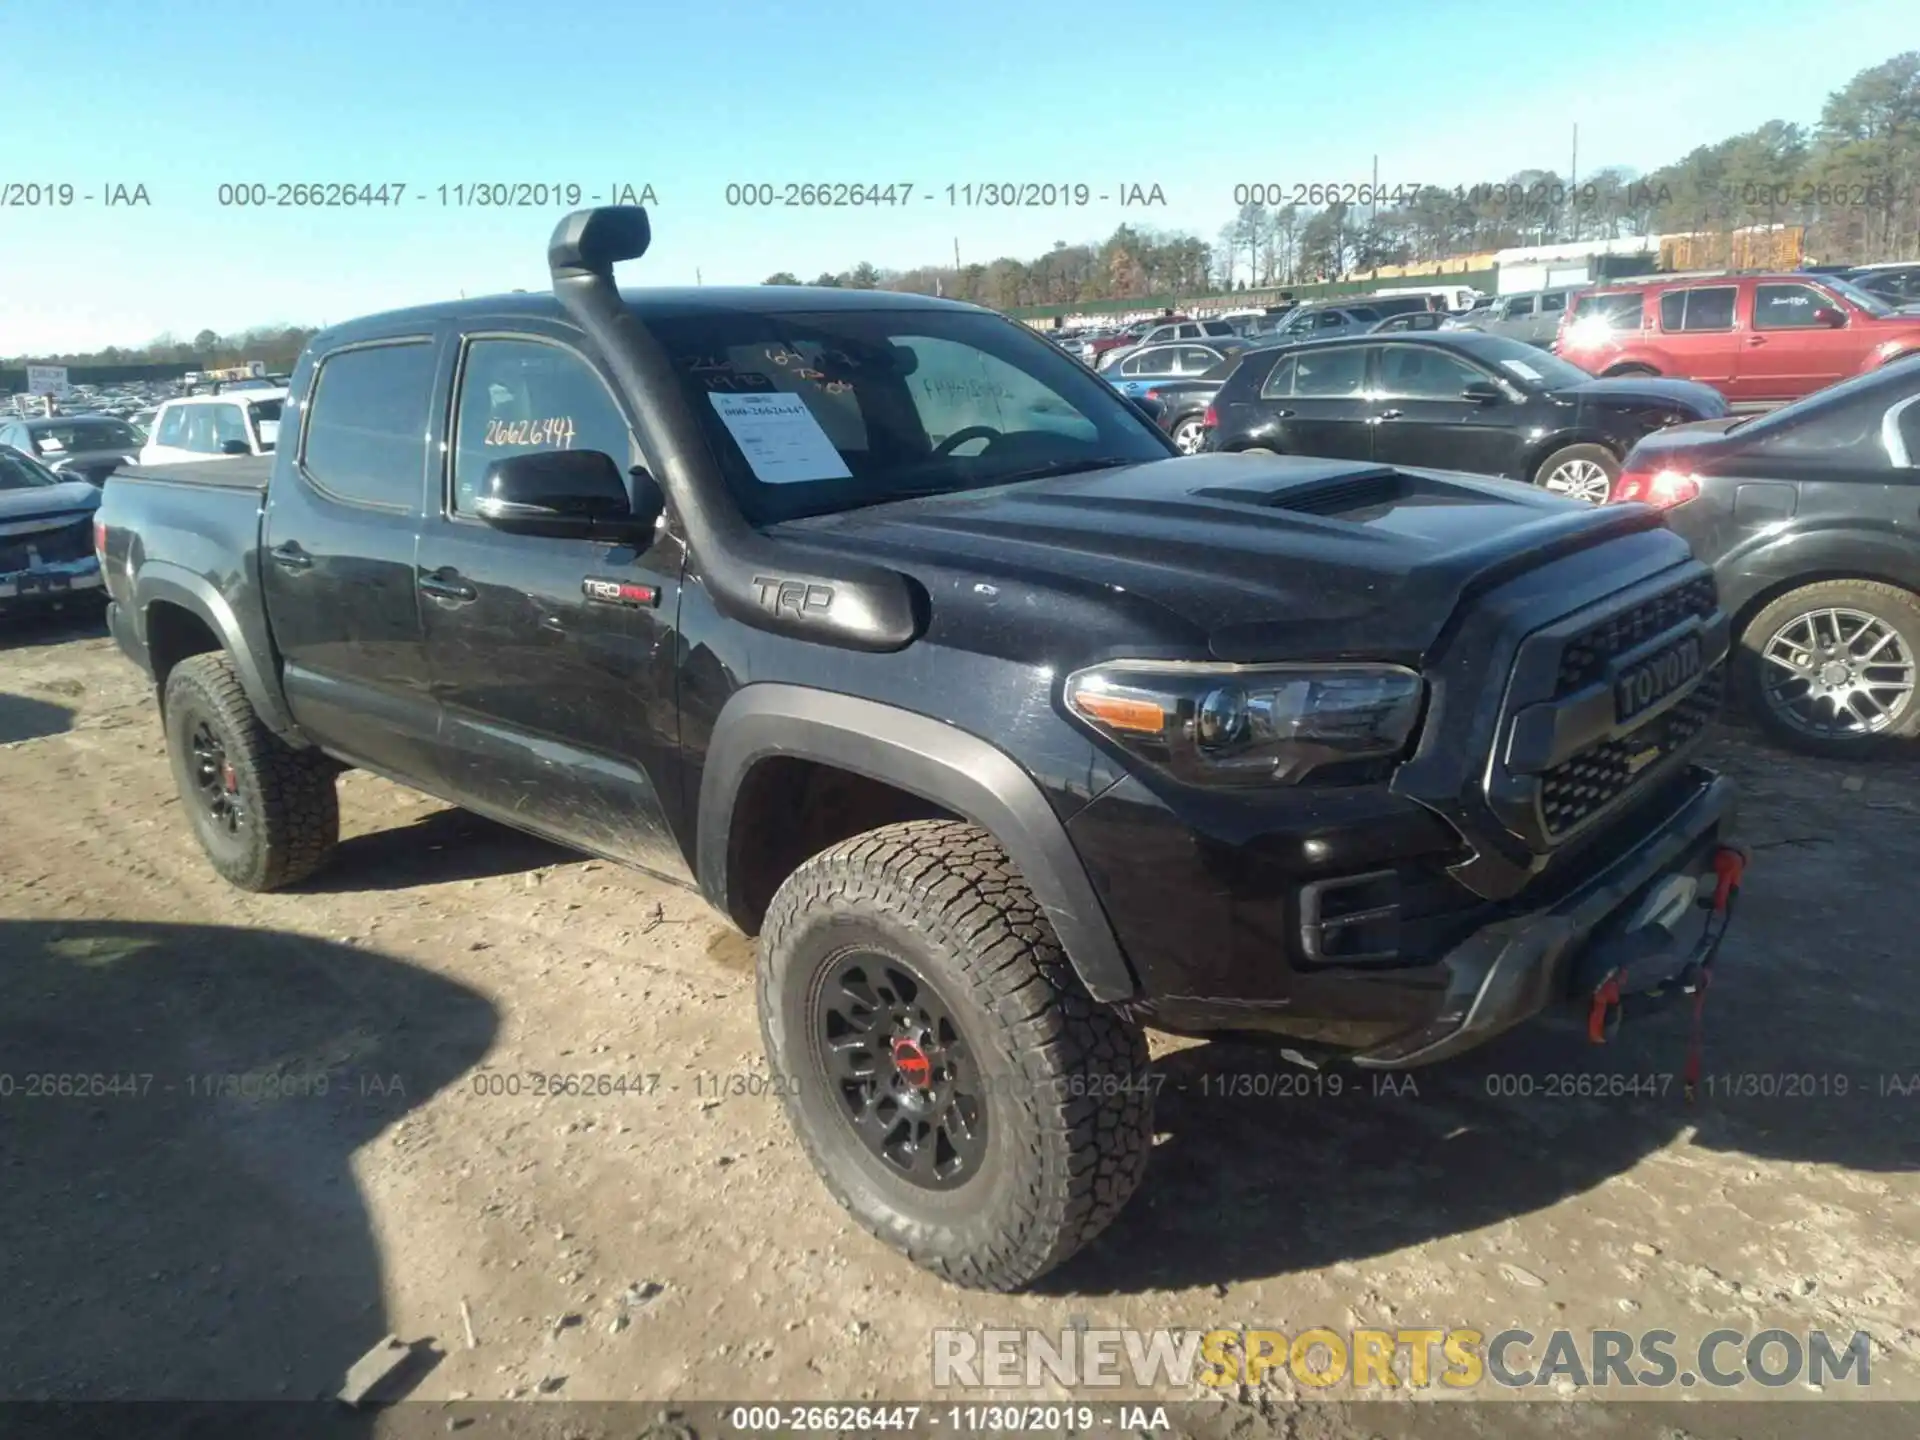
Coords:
686,97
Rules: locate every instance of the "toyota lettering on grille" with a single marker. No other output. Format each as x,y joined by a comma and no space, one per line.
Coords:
1644,685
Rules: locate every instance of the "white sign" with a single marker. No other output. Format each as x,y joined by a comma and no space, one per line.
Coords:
780,438
46,380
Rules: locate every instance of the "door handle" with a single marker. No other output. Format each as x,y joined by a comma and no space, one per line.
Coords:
291,557
447,585
1281,414
1756,340
1391,414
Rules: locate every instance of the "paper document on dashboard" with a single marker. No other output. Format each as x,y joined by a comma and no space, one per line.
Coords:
780,438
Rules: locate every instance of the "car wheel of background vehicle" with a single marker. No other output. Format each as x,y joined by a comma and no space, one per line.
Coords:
1189,434
1580,472
950,1079
266,814
1255,450
1619,370
1831,668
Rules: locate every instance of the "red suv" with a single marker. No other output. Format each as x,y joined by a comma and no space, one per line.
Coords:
1751,337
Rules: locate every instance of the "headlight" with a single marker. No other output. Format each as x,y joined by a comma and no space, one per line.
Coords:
1217,724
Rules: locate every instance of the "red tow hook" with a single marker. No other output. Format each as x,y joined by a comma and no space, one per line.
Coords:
1729,867
1605,1009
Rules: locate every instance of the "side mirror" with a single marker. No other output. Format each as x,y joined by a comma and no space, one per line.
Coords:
235,447
1831,318
568,494
1483,392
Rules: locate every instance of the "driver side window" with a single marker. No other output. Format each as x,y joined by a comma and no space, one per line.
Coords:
956,386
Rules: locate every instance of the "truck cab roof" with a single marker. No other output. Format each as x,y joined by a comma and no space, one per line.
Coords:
651,303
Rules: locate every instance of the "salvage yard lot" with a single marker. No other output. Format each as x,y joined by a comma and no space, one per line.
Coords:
652,1230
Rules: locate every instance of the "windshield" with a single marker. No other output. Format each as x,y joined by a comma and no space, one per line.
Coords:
1528,366
829,411
86,435
1866,300
17,472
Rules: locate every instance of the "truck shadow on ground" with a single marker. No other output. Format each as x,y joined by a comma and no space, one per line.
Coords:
74,620
189,1226
439,848
1815,998
24,718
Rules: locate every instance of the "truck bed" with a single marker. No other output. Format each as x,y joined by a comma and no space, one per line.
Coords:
244,472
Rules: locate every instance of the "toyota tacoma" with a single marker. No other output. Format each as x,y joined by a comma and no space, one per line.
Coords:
927,660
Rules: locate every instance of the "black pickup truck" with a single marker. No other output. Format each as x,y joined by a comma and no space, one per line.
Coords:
921,655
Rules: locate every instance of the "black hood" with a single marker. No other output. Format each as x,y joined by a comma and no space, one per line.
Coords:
1703,402
1245,556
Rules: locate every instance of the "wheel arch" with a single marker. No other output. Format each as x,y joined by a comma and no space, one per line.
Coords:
182,614
949,769
1749,606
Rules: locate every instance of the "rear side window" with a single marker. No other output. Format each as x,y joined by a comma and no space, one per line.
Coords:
1709,307
1330,374
1786,307
365,438
1552,304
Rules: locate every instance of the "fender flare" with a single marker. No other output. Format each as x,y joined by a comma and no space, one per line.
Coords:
176,585
925,757
1783,562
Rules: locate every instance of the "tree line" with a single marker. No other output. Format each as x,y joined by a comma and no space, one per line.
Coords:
1851,178
277,346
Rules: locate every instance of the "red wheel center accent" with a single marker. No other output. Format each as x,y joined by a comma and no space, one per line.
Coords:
229,777
912,1063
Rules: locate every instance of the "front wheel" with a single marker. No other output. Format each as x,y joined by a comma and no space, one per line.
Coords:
951,1081
1580,472
1830,668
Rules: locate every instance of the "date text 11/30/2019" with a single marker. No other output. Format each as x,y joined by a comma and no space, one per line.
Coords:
960,195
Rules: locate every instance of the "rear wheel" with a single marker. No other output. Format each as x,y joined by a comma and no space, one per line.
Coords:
1831,668
1619,370
952,1082
265,814
1189,434
1580,472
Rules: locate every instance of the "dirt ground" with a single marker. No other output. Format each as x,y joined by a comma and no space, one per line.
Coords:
185,1240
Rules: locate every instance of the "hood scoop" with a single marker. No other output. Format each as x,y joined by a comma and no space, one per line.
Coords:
1354,495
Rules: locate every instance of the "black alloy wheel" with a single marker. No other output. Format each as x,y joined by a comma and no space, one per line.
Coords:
216,781
901,1070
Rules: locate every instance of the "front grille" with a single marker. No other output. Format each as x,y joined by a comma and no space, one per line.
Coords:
1590,781
69,542
1584,660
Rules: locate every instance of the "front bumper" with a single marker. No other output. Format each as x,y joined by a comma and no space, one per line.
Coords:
1515,968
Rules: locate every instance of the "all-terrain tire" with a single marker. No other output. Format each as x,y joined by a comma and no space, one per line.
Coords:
1896,609
289,811
1069,1117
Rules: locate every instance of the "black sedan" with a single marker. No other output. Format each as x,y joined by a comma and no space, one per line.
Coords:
1451,400
75,447
1810,517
